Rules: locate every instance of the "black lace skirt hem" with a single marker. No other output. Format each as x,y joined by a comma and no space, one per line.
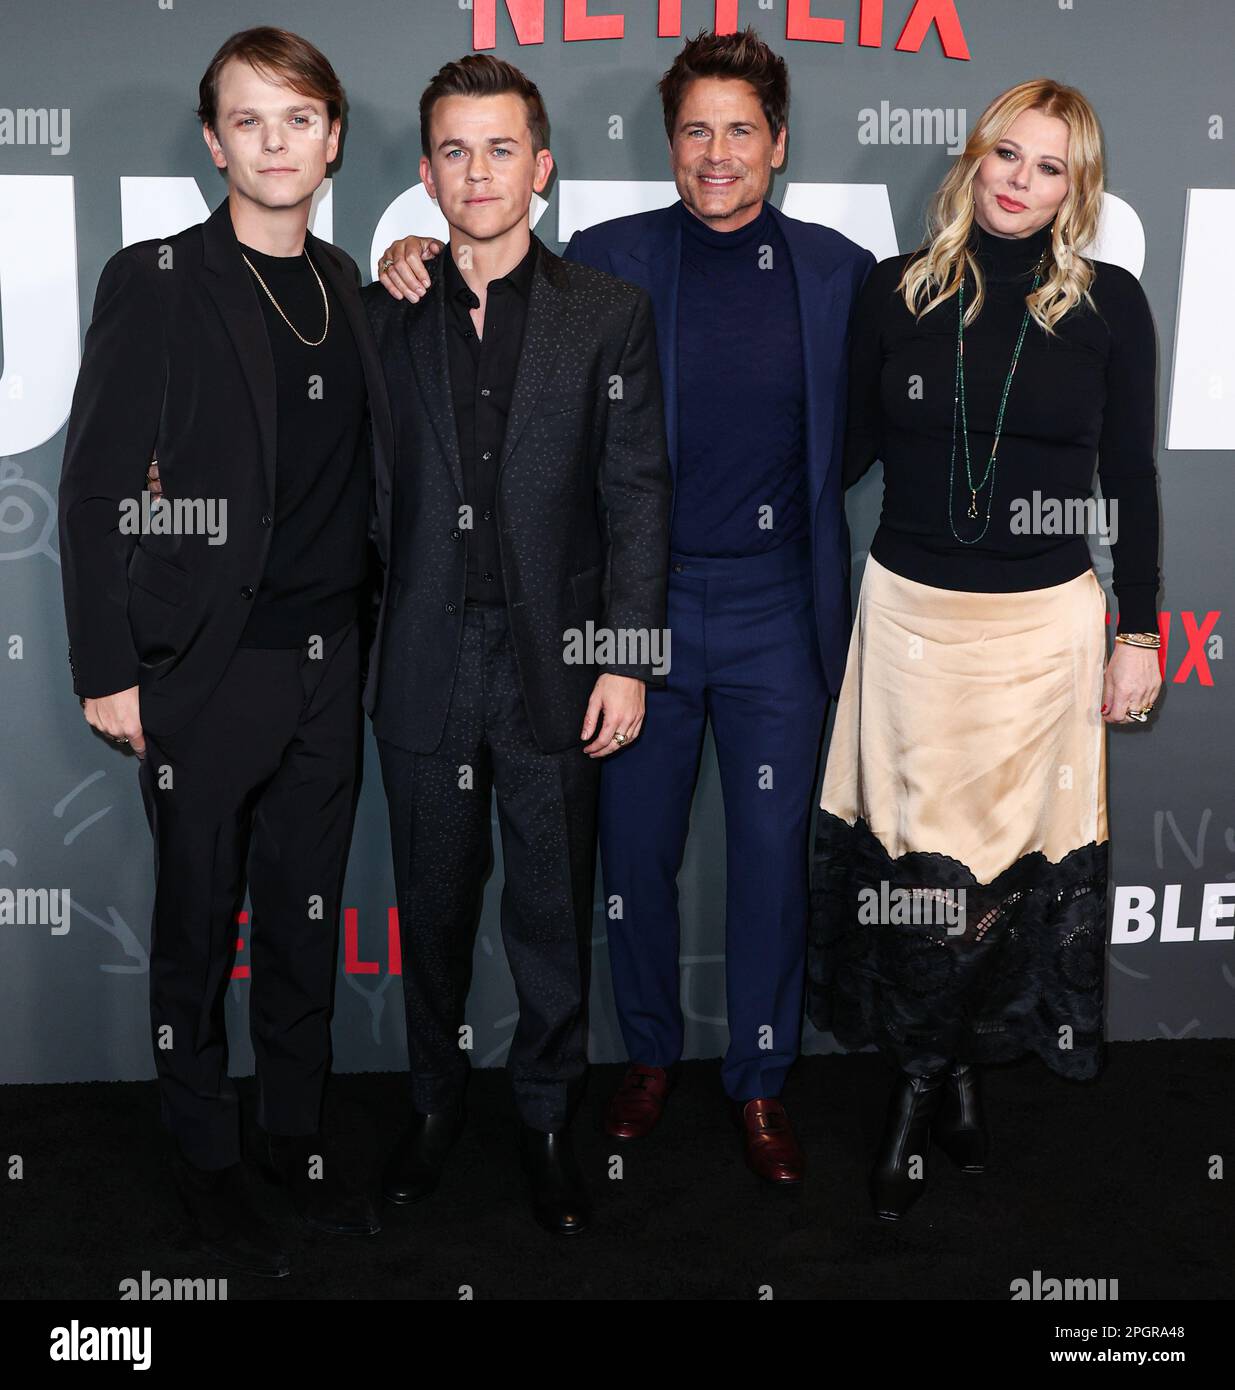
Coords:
916,957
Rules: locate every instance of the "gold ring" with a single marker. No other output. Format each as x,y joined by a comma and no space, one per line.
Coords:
619,738
384,265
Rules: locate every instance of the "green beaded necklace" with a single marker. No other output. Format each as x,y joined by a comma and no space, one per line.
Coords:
959,412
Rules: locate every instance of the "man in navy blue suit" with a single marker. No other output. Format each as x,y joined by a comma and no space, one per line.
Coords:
752,315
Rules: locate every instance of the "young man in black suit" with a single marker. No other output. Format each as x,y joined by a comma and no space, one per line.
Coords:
238,354
527,518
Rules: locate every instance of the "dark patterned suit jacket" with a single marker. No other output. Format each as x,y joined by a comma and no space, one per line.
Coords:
582,502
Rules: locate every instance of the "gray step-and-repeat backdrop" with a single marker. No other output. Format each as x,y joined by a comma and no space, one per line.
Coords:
99,147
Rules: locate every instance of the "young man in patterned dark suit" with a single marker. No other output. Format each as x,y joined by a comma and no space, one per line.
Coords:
528,509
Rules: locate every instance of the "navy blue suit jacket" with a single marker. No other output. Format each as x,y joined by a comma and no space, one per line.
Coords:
645,249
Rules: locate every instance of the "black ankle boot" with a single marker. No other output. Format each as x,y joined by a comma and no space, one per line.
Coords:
959,1128
324,1195
899,1172
414,1168
225,1224
559,1197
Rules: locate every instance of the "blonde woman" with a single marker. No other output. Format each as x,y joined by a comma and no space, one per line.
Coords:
959,894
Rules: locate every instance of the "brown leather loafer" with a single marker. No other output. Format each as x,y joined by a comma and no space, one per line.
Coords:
772,1152
639,1101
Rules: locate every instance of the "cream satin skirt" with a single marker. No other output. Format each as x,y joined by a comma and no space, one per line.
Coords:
966,770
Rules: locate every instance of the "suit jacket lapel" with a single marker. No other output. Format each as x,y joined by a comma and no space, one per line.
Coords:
426,341
817,307
230,285
542,341
654,264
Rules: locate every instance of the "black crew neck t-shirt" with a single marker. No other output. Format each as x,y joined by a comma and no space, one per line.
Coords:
317,563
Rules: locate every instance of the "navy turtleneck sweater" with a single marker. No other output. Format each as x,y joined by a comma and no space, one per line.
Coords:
741,464
1086,394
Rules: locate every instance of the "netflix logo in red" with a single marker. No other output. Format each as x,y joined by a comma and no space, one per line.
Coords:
527,17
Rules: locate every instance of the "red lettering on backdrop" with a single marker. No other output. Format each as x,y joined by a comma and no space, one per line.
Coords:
726,17
870,24
351,946
527,16
669,19
352,963
1195,655
393,945
528,19
942,14
801,24
240,972
578,24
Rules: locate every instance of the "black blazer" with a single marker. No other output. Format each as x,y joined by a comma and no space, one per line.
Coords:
582,501
177,364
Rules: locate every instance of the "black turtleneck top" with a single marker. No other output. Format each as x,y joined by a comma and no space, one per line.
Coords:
1086,394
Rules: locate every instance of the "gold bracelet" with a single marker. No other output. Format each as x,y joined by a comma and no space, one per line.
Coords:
1140,639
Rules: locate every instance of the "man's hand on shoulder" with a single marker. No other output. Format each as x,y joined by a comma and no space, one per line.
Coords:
401,267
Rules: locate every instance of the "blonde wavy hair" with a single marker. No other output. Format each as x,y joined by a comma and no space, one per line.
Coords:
934,276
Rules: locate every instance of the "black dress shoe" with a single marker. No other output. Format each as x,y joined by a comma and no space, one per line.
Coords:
414,1168
559,1198
959,1128
225,1224
899,1173
321,1191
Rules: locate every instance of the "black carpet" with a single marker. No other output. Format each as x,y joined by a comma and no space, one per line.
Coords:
1109,1180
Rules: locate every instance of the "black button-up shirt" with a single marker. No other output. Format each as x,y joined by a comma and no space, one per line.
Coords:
482,381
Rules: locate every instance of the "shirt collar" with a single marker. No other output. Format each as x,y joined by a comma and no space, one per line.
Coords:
519,279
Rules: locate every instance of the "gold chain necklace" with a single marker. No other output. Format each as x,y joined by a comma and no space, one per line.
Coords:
306,341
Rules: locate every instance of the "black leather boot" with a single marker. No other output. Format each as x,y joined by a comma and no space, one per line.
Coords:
559,1197
899,1173
959,1128
225,1224
322,1192
414,1167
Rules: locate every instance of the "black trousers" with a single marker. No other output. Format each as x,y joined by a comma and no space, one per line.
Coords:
442,841
262,785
